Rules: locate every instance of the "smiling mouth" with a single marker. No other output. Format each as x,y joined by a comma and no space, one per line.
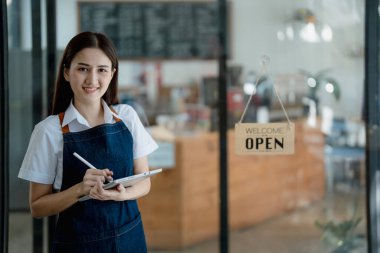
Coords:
90,89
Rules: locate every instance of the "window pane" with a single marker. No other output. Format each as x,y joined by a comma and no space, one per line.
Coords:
314,200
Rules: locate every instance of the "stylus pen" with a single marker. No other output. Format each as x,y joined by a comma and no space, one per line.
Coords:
83,160
86,162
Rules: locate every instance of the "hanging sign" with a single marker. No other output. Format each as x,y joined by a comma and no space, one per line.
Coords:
264,139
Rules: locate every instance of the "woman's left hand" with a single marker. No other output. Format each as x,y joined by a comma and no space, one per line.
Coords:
119,193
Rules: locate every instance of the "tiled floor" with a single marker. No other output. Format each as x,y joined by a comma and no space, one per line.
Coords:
20,232
294,232
291,233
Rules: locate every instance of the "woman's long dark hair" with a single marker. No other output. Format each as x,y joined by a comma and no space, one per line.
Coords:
63,93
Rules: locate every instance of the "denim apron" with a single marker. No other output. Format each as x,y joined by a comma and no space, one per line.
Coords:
93,225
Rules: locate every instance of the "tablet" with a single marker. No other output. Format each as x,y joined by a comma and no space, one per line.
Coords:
127,181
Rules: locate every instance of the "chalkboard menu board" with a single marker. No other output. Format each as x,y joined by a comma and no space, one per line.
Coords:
164,30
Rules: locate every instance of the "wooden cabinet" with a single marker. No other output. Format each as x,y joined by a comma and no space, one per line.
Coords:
182,208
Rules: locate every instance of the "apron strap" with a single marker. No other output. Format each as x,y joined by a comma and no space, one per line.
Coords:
65,129
114,117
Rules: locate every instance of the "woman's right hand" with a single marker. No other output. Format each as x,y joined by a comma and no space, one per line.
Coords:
43,202
93,176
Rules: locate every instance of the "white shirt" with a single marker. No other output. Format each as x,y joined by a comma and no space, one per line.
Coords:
43,159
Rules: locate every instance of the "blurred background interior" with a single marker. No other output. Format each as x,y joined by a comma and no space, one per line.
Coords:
312,201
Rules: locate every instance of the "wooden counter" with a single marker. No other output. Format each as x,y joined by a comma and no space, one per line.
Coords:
182,208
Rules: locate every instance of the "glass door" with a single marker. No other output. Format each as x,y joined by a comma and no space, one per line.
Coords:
27,103
315,199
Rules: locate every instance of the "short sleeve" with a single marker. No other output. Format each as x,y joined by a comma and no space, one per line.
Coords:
41,158
143,143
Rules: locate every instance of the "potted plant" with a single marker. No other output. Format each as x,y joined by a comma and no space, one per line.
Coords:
341,235
319,80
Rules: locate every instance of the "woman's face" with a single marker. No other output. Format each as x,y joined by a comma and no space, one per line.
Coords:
89,75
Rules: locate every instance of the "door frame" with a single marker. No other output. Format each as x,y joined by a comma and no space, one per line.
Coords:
372,119
4,130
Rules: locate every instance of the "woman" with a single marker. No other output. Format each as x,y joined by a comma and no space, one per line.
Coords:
87,120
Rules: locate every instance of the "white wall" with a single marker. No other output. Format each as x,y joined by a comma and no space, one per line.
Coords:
253,32
254,28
